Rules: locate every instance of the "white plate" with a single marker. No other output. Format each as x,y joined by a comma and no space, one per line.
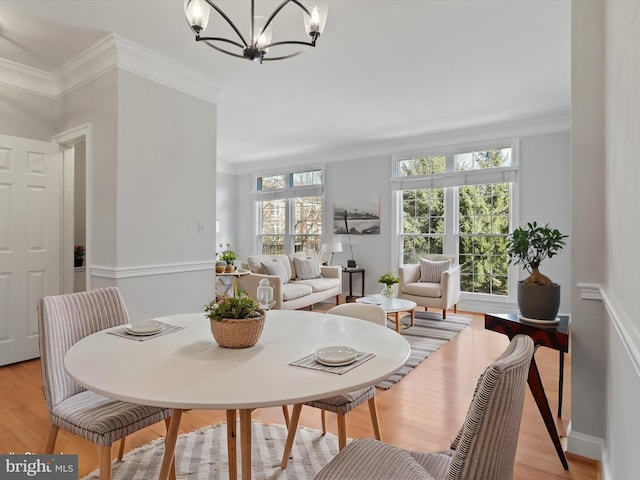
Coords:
146,327
336,355
540,322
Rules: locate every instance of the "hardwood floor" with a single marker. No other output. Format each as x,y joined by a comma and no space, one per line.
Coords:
421,412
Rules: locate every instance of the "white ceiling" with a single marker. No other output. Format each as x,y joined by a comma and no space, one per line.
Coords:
382,69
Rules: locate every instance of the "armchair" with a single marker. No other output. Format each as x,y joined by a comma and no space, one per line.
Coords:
426,292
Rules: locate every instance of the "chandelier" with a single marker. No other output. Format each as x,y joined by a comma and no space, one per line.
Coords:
258,44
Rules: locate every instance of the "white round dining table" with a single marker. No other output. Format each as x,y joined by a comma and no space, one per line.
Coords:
186,369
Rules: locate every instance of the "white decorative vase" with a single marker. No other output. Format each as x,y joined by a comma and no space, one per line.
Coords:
388,291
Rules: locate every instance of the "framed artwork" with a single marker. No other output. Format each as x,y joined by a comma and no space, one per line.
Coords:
357,218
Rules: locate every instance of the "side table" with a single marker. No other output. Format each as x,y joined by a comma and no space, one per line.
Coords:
555,336
229,281
350,272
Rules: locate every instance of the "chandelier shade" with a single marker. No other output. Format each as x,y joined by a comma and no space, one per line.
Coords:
258,44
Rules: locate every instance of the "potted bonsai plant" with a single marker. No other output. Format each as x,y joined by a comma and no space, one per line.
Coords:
389,279
538,296
236,322
228,255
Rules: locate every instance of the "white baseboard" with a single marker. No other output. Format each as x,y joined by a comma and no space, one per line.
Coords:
585,445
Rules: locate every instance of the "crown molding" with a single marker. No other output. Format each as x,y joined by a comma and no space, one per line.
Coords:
545,124
158,68
110,52
26,78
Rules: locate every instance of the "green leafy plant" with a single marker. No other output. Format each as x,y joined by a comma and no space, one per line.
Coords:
389,279
240,306
227,254
529,246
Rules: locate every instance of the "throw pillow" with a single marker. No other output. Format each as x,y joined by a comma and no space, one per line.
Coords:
275,268
306,268
431,271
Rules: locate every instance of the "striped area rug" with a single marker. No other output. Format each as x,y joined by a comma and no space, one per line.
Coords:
429,333
202,455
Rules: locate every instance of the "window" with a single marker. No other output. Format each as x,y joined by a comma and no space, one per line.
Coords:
289,210
459,200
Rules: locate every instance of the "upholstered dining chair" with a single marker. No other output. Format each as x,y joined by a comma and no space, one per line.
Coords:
485,447
62,321
342,404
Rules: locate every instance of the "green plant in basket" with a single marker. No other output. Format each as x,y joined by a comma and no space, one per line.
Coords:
389,279
240,306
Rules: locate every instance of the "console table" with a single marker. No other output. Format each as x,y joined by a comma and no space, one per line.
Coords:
350,272
555,336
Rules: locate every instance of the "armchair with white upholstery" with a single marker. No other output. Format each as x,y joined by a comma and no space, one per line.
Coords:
431,283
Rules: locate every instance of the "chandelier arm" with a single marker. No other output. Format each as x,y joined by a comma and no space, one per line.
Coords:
219,39
291,42
297,2
228,52
228,20
283,57
275,12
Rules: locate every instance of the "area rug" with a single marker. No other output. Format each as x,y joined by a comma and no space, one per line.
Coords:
429,333
202,455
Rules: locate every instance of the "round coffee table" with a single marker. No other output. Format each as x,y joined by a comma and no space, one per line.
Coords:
392,305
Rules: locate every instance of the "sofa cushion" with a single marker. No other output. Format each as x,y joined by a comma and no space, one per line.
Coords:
255,263
306,268
319,284
275,267
423,289
293,290
431,271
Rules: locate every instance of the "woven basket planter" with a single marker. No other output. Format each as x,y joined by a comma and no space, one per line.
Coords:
237,333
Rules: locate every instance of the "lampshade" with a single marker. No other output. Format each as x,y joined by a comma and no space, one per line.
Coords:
332,247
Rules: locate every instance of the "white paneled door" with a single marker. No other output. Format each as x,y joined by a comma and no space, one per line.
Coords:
30,240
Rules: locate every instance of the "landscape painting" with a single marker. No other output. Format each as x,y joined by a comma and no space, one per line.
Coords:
359,218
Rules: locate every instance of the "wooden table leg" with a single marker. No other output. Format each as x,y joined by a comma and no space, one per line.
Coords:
170,444
398,322
560,383
413,317
537,389
232,455
245,443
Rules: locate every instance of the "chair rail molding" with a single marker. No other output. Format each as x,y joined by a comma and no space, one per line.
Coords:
150,270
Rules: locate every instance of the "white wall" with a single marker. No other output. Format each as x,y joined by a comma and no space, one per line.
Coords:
544,196
27,115
79,194
96,103
227,212
166,174
588,261
622,140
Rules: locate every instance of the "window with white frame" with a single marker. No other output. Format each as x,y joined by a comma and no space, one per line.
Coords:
459,201
289,212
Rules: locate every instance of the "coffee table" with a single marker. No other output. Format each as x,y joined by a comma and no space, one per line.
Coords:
186,369
392,305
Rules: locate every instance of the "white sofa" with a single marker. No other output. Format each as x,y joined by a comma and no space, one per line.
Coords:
293,293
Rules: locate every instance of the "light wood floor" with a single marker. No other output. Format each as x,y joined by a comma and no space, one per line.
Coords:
421,412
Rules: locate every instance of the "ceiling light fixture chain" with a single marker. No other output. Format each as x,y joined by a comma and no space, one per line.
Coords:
257,48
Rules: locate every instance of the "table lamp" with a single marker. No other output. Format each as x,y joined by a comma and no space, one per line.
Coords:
332,248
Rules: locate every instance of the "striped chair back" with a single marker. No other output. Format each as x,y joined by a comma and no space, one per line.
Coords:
65,319
486,444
